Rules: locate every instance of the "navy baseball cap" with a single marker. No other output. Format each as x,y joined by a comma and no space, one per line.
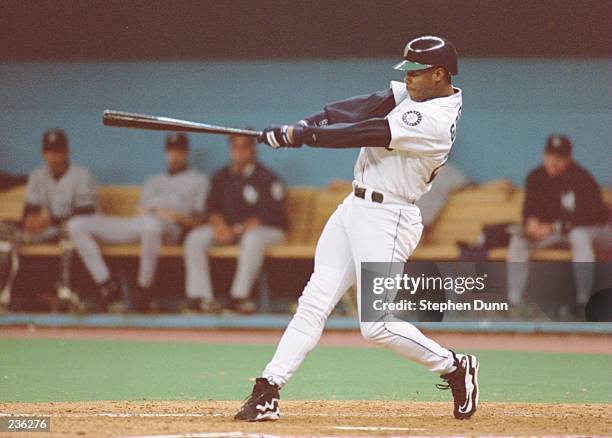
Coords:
429,51
558,144
54,140
177,140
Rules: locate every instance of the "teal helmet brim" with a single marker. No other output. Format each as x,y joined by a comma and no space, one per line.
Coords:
410,66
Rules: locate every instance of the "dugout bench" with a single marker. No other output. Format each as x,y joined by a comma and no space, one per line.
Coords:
308,209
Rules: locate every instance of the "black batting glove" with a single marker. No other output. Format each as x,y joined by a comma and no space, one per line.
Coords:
280,136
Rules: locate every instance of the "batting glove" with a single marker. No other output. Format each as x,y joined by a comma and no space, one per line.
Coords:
279,136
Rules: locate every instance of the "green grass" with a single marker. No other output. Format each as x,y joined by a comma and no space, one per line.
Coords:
73,370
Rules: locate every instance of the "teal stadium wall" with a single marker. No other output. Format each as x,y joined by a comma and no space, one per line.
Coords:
510,106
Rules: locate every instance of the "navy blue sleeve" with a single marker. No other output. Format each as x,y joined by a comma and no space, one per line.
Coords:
214,201
272,211
355,109
590,208
371,133
532,201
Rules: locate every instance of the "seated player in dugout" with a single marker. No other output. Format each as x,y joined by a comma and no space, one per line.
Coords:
563,206
171,203
405,134
246,206
55,192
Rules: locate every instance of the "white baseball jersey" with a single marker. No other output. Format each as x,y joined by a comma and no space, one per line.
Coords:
422,134
75,189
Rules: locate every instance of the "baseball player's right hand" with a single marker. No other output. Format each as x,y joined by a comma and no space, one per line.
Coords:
279,136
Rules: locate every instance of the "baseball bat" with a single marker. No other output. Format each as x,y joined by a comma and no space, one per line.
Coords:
143,121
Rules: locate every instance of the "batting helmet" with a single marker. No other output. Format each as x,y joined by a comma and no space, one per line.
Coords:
429,51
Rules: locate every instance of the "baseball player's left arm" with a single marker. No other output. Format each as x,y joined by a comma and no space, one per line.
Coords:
590,207
35,216
198,207
85,200
414,131
148,195
353,110
533,202
272,211
374,133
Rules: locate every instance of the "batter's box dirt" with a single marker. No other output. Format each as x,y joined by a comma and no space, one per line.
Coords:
314,418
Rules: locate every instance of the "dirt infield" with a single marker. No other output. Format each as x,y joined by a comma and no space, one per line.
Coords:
317,418
542,342
182,419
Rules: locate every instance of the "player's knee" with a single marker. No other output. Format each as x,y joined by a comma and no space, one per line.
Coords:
372,331
310,309
251,241
581,244
75,226
151,226
309,318
199,239
518,249
579,235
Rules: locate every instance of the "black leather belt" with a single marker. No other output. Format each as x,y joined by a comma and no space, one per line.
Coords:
376,196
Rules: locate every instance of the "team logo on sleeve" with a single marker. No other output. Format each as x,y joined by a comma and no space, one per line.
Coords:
412,118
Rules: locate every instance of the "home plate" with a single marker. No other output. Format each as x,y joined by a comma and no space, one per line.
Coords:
377,428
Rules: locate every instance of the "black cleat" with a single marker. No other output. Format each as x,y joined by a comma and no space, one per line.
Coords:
463,383
243,306
201,305
140,299
262,404
102,296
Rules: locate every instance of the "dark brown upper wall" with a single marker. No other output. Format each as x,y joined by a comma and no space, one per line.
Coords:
180,29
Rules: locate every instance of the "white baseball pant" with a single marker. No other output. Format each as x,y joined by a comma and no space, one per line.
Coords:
150,231
253,244
358,231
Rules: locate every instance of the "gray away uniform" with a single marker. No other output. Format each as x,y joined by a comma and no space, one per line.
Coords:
183,192
73,193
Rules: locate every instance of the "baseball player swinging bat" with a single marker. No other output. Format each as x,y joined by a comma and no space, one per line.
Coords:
143,121
404,134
